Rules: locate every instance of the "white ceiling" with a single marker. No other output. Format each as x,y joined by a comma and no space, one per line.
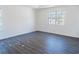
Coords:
45,6
40,6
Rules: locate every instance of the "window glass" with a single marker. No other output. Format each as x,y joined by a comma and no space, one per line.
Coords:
56,17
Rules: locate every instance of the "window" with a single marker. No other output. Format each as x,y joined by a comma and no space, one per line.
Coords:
56,16
1,24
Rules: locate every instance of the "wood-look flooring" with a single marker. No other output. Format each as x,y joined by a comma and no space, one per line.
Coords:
40,43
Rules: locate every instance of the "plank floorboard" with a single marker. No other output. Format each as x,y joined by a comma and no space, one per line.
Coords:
40,43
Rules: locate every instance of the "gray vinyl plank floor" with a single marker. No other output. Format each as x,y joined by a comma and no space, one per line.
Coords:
39,43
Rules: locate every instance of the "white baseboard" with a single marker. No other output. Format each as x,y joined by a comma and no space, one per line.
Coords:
75,36
13,35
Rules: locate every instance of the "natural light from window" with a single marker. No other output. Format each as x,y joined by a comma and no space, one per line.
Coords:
56,16
1,24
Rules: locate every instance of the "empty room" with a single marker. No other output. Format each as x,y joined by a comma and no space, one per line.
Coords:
39,29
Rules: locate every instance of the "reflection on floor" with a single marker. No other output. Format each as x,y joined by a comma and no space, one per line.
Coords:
40,43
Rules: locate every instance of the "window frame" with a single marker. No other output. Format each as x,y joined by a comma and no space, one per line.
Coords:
58,13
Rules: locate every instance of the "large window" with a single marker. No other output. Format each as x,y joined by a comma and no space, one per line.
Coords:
1,24
56,16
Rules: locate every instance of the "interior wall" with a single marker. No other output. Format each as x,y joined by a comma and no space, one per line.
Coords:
71,26
17,20
21,20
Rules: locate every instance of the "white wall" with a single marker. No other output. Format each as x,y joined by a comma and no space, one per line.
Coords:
21,19
17,20
71,27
